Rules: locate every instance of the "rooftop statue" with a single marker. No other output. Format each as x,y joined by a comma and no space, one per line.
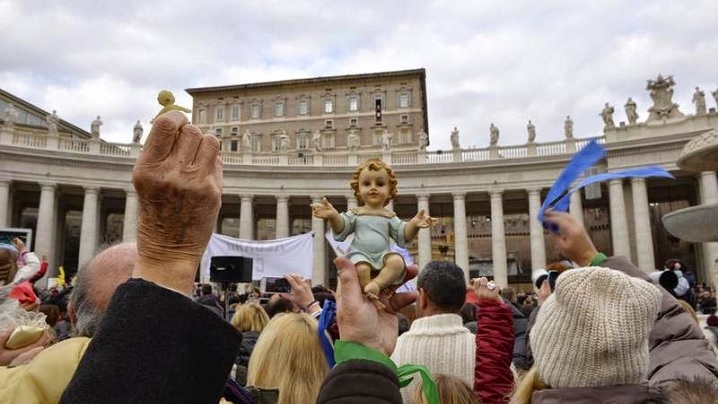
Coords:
247,141
52,121
353,141
455,138
137,132
167,100
423,140
283,142
531,129
631,113
10,117
317,140
715,96
662,95
568,127
699,98
607,115
493,135
386,139
95,128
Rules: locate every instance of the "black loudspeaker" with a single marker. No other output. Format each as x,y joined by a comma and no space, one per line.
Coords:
230,270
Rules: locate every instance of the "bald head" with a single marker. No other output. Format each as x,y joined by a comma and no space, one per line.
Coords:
96,283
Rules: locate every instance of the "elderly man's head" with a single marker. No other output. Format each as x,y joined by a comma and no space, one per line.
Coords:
96,283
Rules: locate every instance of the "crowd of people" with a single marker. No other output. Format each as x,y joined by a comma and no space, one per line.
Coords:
142,331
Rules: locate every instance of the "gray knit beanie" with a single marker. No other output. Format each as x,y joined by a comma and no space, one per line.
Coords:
593,330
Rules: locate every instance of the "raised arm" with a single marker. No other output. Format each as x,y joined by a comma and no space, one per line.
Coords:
326,211
418,222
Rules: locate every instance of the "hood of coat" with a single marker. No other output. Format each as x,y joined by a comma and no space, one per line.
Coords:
628,394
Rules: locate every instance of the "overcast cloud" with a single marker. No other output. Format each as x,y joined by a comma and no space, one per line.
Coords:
487,61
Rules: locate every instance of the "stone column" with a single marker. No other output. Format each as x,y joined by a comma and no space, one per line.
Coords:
642,223
319,272
246,217
45,236
4,203
129,228
619,224
88,229
498,240
282,216
352,202
576,207
461,242
538,246
709,195
424,234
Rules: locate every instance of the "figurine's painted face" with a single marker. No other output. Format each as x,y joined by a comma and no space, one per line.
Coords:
374,187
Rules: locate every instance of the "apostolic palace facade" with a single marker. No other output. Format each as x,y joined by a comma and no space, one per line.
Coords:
287,144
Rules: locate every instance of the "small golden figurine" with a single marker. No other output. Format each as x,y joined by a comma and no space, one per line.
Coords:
167,100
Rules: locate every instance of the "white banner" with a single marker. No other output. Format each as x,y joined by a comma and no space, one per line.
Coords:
270,258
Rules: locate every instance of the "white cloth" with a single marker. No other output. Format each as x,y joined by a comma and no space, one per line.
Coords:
32,265
442,344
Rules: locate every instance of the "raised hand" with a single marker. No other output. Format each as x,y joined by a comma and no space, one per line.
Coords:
486,290
423,220
178,178
572,240
324,210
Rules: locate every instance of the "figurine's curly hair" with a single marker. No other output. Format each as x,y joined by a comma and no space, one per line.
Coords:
374,164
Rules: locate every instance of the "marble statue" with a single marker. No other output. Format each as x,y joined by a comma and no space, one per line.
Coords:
386,139
167,100
283,142
493,135
423,140
52,121
10,118
137,132
631,113
317,140
353,142
95,128
247,141
715,97
607,115
699,98
373,226
455,139
531,129
661,91
568,127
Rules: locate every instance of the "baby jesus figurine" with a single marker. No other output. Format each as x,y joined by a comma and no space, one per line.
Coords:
167,100
373,225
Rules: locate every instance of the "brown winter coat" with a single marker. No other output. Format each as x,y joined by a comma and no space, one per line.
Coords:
625,394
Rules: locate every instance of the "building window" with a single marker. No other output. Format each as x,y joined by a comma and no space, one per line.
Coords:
279,109
404,100
218,132
255,111
233,146
235,113
404,136
378,137
235,131
353,104
328,106
353,122
202,115
328,141
302,140
404,118
219,113
276,142
303,107
329,123
256,143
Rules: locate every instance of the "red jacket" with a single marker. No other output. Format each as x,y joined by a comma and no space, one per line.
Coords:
493,378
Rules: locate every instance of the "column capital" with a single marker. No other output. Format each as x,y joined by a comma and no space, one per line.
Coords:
534,191
496,193
246,197
89,189
282,198
458,195
615,181
703,174
423,195
316,198
130,192
4,182
638,180
48,186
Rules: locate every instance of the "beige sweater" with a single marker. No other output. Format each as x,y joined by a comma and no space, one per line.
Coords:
442,344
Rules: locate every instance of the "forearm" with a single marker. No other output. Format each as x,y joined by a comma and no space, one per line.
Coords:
494,350
411,230
336,223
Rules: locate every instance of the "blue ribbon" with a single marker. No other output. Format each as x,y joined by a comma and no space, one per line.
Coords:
559,196
325,321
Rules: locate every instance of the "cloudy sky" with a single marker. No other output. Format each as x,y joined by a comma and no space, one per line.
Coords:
487,61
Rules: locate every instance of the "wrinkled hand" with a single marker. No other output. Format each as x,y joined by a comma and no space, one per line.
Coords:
485,290
324,210
358,317
572,239
178,178
18,356
422,220
301,294
544,292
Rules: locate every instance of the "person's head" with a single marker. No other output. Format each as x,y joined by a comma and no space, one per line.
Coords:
468,313
288,357
451,389
165,98
685,390
404,323
8,268
442,289
250,317
593,330
278,305
374,182
206,289
96,283
52,313
509,294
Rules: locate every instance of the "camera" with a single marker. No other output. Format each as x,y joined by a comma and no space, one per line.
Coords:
274,285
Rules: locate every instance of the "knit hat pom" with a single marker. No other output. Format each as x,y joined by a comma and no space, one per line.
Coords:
593,330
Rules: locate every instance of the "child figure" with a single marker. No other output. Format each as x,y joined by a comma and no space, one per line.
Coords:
373,225
167,100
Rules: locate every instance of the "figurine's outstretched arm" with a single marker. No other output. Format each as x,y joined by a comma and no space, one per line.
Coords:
420,221
325,210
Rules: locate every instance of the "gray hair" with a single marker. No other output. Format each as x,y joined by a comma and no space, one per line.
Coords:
88,314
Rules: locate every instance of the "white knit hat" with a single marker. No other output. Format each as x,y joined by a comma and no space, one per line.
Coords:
593,330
